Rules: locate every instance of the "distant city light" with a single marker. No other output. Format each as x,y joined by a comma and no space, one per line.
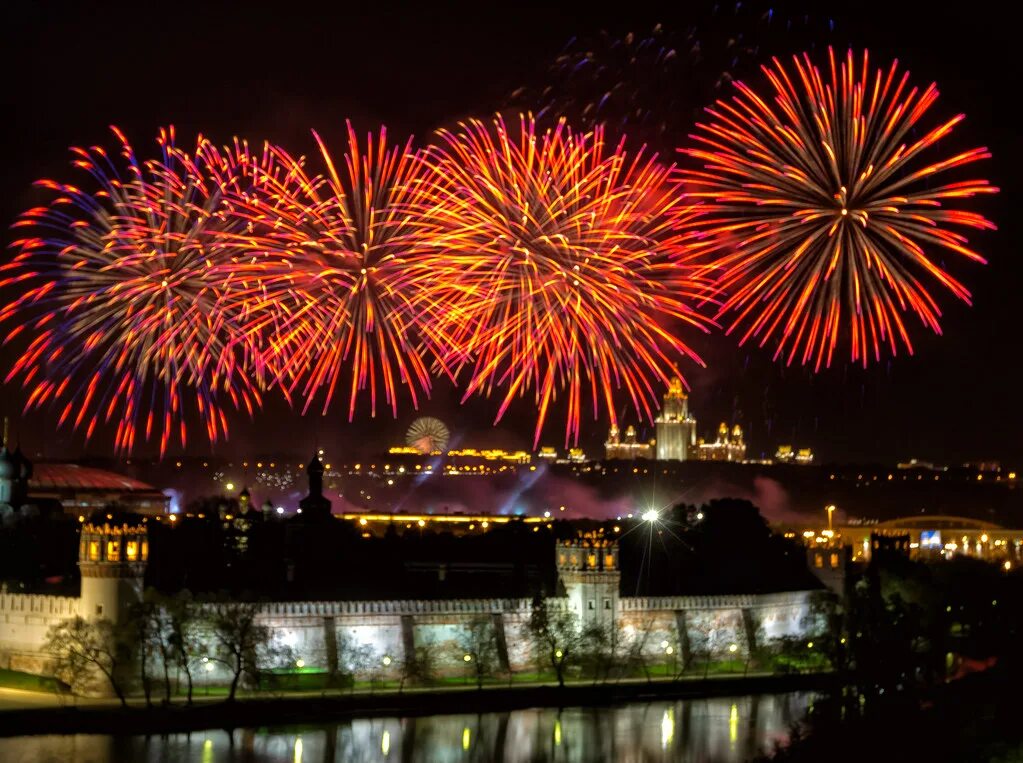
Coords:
229,486
547,515
280,509
651,515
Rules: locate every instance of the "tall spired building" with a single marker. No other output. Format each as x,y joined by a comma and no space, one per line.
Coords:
676,428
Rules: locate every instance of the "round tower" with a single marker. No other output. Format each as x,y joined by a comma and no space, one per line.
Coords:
112,560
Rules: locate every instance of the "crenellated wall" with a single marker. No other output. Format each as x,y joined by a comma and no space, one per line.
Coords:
696,627
24,621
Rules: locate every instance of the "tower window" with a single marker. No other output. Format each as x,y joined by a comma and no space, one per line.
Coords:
818,560
93,550
99,610
131,550
592,605
834,561
607,604
113,550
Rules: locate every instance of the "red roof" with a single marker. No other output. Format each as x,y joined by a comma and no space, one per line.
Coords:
75,477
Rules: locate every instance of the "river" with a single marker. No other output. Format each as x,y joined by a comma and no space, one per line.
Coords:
720,729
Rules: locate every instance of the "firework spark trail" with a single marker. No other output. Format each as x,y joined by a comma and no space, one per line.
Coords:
124,288
341,277
819,215
563,270
650,85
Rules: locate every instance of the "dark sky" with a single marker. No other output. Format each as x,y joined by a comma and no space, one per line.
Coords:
276,71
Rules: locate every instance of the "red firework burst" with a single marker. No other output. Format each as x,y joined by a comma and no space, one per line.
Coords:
124,287
820,214
563,273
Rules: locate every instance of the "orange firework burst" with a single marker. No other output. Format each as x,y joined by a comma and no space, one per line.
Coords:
561,267
124,290
820,216
337,282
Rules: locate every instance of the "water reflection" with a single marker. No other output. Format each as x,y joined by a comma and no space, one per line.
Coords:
719,729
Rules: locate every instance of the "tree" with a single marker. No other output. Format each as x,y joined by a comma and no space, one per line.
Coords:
555,635
183,637
636,649
476,646
142,623
419,667
240,641
79,648
355,659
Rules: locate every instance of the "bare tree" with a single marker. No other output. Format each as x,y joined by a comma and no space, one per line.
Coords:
476,646
183,635
420,667
142,620
354,659
79,648
239,640
555,636
637,649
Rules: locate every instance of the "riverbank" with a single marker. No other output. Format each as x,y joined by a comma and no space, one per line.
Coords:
295,708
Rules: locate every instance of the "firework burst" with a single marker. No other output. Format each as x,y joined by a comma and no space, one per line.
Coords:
821,214
563,273
338,277
123,287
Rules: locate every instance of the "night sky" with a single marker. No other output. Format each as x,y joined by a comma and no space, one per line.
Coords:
275,73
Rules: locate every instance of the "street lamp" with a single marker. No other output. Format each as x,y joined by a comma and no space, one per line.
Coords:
650,515
831,510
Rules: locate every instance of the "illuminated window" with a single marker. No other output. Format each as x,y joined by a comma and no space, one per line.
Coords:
609,561
131,550
834,560
818,560
93,550
591,561
113,550
145,550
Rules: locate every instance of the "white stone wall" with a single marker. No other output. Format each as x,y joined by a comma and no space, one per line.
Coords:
714,623
24,621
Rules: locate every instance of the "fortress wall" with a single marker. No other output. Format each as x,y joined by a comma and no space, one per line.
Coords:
384,628
24,621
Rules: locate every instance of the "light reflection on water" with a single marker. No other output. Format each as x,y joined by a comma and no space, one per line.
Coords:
701,730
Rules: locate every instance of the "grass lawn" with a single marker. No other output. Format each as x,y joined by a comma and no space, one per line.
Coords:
15,679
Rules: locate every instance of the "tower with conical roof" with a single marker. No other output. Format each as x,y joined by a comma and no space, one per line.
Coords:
315,504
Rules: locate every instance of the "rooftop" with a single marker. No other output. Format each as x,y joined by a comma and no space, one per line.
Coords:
75,477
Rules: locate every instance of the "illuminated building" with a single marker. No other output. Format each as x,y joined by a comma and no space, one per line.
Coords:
729,446
627,448
676,427
787,455
547,453
576,456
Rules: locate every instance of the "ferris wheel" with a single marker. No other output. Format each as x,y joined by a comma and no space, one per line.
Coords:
427,435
